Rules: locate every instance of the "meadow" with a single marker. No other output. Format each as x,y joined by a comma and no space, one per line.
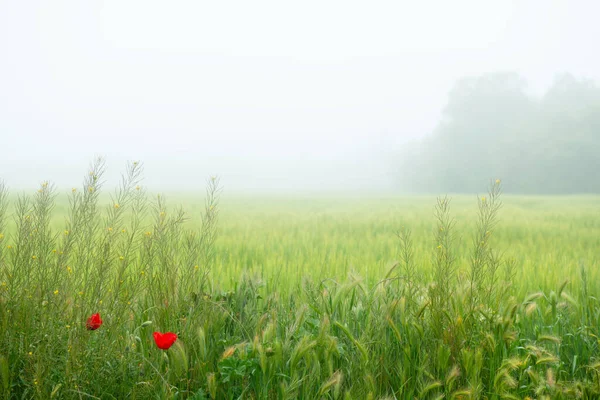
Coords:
289,296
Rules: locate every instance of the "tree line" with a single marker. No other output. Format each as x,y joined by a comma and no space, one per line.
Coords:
492,128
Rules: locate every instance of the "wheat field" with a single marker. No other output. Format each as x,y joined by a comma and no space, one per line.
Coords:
491,296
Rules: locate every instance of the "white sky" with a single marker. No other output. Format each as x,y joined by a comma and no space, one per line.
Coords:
269,95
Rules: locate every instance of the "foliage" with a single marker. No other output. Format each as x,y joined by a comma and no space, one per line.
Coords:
491,126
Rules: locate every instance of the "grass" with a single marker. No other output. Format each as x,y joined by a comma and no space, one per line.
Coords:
292,297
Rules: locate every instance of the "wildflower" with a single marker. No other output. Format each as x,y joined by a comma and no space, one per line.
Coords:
34,257
138,187
164,340
196,267
117,205
109,229
66,233
90,189
123,230
69,269
148,233
81,293
483,199
1,236
56,292
68,326
142,272
162,213
497,181
45,184
121,258
30,353
94,322
9,247
74,190
54,251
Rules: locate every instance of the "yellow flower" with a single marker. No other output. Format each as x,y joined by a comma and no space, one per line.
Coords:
30,353
45,184
54,251
74,190
142,272
123,230
100,302
110,229
1,236
66,233
55,292
81,293
69,269
34,257
90,189
148,233
483,198
138,187
497,181
116,205
121,258
67,326
9,247
162,213
195,267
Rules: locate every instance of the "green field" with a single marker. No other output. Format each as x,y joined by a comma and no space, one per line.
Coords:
302,297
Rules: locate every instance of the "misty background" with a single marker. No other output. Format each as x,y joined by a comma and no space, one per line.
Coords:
400,96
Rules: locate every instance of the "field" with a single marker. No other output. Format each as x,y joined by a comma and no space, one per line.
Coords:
351,297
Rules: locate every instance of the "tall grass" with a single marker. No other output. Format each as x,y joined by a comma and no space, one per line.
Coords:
263,312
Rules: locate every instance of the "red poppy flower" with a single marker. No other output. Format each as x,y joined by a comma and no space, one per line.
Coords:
164,340
94,322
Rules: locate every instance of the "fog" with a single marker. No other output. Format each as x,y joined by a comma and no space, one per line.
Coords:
278,96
